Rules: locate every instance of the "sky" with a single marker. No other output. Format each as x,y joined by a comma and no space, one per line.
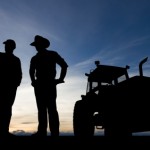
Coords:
115,32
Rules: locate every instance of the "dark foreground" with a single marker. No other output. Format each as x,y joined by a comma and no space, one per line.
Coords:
71,142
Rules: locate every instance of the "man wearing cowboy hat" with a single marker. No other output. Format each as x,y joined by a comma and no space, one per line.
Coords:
42,73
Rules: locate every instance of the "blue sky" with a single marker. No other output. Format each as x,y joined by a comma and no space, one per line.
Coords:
116,32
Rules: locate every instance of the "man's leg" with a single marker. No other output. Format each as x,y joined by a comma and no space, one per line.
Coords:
6,109
53,117
42,112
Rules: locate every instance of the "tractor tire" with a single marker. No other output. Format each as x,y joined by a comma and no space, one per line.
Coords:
83,121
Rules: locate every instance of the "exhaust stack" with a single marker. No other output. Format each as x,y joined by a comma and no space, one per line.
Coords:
140,66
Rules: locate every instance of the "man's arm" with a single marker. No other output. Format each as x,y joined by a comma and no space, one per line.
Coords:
19,72
62,74
63,71
62,63
32,73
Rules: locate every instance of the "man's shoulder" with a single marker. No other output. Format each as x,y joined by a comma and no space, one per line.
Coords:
16,57
2,53
33,58
52,52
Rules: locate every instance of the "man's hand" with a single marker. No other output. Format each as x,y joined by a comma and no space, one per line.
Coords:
33,83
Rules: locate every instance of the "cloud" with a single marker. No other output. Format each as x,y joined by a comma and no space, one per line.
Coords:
86,32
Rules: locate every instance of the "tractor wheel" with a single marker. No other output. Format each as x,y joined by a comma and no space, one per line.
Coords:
83,120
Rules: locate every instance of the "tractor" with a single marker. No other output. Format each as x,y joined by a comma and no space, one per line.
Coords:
114,102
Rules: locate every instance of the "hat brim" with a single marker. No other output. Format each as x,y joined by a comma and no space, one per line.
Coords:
33,44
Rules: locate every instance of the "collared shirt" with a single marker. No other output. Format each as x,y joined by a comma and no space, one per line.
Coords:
44,64
10,70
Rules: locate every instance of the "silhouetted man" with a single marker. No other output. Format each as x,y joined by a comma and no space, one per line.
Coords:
43,72
10,79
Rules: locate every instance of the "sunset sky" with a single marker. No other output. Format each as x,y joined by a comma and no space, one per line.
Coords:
116,32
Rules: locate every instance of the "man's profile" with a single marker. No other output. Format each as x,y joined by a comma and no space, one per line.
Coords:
10,79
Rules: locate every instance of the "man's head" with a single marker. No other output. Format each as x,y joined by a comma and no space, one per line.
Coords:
41,42
10,43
